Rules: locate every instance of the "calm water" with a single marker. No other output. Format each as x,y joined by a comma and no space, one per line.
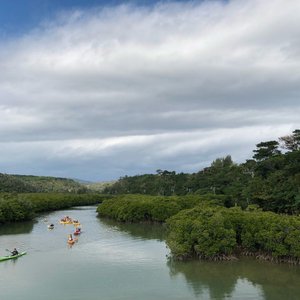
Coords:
113,261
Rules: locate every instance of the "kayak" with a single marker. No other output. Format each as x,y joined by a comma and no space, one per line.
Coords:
72,242
2,258
77,232
66,223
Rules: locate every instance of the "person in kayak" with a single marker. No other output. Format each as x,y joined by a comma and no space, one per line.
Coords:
14,252
70,237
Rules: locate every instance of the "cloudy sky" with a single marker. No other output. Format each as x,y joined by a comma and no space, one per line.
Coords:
101,89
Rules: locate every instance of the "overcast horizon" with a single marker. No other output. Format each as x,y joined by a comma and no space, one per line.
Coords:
96,90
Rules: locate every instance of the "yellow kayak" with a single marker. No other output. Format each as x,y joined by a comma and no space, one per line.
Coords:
66,222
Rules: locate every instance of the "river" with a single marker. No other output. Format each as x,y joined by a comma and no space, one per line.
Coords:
113,261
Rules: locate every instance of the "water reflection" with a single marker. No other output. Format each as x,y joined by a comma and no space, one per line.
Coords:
142,230
202,276
17,228
246,278
222,279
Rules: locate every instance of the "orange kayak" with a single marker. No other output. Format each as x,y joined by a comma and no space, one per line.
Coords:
71,242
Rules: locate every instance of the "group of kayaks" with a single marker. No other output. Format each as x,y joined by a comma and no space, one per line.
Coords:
65,221
69,221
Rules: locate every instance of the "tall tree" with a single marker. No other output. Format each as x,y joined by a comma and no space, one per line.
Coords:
266,150
291,142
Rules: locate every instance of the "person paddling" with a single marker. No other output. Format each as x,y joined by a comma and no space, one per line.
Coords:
14,252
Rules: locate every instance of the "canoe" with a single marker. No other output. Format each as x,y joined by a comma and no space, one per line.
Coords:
3,258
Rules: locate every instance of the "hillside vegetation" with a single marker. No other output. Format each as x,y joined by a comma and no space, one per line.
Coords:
39,184
99,186
271,179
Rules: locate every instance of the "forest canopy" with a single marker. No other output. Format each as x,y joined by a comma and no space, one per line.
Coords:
270,179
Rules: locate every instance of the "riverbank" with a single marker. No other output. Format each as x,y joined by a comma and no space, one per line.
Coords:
198,227
122,257
25,206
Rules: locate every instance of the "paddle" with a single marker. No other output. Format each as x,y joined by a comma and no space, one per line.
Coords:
8,251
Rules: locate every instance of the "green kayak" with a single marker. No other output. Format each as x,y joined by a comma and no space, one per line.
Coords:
2,258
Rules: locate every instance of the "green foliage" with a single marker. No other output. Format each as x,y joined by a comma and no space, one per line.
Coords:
204,231
21,207
164,183
9,183
277,235
291,142
46,184
213,232
276,184
39,184
13,209
271,181
198,227
138,208
99,186
265,150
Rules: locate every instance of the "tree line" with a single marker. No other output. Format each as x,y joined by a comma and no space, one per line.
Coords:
270,179
23,207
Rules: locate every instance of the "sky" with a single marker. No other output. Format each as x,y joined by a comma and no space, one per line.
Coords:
97,90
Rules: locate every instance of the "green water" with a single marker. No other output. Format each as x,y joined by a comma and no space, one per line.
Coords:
114,261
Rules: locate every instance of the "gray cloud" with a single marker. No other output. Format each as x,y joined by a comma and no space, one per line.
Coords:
102,93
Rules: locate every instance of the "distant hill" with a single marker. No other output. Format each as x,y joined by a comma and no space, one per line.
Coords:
39,184
99,186
81,181
10,183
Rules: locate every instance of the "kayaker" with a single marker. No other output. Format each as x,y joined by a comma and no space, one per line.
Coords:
70,237
14,252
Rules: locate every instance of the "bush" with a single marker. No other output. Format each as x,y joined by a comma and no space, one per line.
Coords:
211,232
203,231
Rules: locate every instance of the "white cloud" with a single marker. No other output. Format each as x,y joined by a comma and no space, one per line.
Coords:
135,89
